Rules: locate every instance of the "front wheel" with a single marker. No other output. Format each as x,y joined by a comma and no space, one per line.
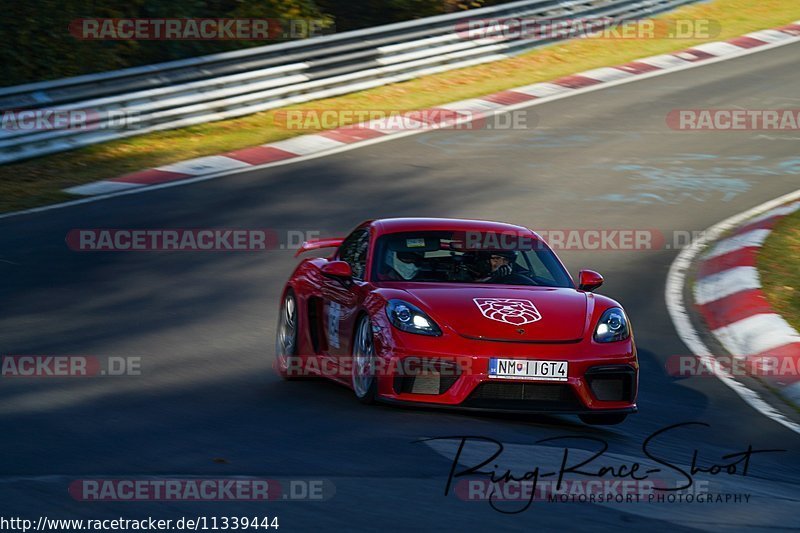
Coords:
364,382
286,360
603,419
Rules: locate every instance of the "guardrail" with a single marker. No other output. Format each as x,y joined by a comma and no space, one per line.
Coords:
233,84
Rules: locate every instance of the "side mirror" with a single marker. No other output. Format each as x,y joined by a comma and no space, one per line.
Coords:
337,269
589,280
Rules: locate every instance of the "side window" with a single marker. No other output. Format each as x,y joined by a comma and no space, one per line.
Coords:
354,252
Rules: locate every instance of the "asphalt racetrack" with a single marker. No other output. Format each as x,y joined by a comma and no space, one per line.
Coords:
208,403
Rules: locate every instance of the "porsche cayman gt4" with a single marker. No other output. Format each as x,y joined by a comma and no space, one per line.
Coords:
457,313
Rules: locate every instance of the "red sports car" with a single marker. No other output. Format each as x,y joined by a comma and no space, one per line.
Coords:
457,313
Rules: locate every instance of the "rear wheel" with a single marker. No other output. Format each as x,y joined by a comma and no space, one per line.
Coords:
364,382
603,419
287,362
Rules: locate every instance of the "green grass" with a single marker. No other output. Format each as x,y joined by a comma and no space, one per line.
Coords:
39,181
779,267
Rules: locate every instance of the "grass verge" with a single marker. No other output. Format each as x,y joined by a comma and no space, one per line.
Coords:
39,181
779,267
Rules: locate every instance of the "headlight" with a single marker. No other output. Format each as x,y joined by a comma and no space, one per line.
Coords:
410,318
612,326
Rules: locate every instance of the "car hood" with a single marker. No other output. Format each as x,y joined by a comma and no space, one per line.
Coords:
521,314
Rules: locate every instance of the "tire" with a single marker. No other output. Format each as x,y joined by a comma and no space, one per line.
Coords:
603,419
365,385
286,361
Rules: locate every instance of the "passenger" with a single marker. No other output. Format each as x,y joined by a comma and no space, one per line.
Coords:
403,266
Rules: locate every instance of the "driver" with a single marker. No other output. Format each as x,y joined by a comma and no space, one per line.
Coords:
500,265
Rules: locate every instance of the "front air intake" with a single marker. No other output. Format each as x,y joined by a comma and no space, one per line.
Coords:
612,383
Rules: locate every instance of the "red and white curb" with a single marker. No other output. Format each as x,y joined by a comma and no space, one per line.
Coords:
677,280
728,294
444,116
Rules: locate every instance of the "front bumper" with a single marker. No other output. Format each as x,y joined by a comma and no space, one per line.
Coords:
602,378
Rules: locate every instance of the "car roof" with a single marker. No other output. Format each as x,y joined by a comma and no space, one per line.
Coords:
397,225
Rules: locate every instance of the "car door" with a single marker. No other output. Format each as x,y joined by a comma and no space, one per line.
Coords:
341,301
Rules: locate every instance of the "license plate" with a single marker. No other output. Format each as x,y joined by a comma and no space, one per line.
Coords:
528,369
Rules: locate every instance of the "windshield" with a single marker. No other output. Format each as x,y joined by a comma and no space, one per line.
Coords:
467,257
